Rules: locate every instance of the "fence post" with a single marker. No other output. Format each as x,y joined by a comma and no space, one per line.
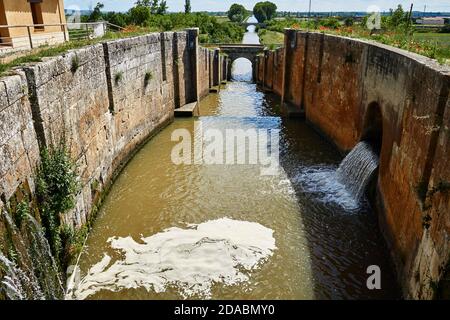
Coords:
87,31
30,37
64,31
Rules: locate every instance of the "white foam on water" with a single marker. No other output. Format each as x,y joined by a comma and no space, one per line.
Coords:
192,260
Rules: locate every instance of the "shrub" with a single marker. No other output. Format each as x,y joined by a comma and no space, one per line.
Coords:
21,213
117,18
56,187
445,29
348,22
331,23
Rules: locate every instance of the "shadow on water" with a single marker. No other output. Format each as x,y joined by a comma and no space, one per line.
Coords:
343,235
344,239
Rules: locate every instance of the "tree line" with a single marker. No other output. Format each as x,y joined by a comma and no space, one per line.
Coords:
263,11
154,16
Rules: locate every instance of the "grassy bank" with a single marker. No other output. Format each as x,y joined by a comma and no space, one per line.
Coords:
271,38
430,44
440,39
37,54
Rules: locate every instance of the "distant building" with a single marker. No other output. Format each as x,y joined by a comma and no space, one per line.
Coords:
15,15
433,21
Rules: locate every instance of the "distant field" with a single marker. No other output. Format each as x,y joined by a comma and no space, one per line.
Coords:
442,39
222,19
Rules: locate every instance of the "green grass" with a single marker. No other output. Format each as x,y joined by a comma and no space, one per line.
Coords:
268,37
430,44
441,39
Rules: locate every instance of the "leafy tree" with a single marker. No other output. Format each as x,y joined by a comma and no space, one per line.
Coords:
96,14
259,13
236,13
162,8
145,3
118,18
154,6
264,11
139,15
187,6
397,17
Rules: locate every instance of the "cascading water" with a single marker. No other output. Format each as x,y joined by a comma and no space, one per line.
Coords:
344,186
33,274
357,169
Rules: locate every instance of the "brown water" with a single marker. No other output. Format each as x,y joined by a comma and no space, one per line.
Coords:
171,231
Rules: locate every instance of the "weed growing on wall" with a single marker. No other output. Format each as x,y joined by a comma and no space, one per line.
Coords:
56,187
118,77
75,64
72,242
21,213
148,76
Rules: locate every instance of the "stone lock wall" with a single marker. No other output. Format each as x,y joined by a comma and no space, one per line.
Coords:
204,71
340,83
278,70
19,150
215,68
121,93
73,106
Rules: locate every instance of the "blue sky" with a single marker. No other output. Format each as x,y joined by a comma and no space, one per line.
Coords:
288,5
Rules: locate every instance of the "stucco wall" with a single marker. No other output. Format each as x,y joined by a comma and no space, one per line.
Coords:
337,82
18,12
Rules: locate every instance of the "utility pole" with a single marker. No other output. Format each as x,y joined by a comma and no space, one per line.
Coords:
309,13
410,12
410,17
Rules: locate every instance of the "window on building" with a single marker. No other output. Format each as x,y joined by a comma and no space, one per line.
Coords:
36,12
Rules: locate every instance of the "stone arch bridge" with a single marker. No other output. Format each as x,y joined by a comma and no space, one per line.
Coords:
236,51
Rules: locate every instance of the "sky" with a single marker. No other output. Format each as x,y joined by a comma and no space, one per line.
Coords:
283,5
